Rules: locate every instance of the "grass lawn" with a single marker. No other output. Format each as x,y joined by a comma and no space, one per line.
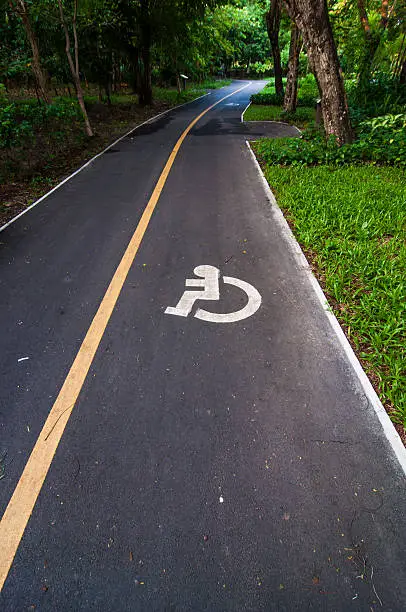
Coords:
351,222
261,112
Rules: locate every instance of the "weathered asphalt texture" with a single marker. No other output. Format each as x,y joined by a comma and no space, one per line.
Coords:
177,413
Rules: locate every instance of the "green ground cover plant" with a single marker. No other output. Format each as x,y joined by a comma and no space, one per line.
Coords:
379,140
351,222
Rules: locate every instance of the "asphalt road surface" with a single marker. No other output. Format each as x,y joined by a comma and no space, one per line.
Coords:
206,465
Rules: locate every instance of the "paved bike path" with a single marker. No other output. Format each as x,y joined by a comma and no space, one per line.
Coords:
205,466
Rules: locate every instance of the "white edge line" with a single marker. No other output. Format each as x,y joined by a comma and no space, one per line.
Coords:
246,108
90,161
387,425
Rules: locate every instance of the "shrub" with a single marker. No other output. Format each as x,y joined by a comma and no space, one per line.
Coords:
308,87
3,93
381,95
380,141
266,98
19,120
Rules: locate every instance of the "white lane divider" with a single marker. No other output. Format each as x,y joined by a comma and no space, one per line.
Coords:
208,279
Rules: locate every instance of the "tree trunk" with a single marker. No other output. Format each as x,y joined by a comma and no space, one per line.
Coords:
290,100
75,71
21,9
116,74
135,76
401,59
145,82
273,20
178,83
75,37
402,78
311,17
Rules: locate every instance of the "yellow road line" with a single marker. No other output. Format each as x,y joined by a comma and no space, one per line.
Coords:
22,502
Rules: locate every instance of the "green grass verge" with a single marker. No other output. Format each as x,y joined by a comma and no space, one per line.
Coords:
351,223
301,118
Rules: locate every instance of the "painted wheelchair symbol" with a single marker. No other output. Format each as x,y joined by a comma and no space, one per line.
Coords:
209,279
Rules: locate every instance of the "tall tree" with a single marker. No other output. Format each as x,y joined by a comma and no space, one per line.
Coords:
273,22
290,99
311,17
74,67
20,8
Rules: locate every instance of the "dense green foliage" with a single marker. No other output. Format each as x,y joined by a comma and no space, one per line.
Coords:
381,95
20,120
192,36
380,140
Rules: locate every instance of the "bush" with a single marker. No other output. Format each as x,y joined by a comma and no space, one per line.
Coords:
381,141
3,93
379,96
271,83
266,98
308,87
19,120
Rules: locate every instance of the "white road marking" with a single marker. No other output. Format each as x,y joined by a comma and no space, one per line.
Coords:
254,302
243,112
387,425
209,280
